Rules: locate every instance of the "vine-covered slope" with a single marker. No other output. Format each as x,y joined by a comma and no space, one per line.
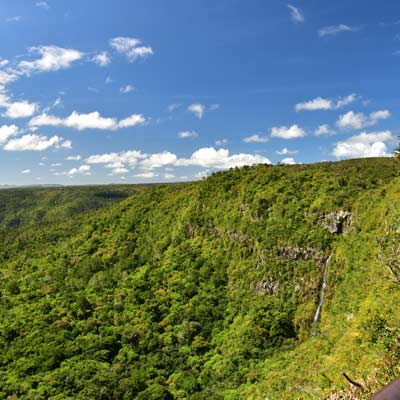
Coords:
205,290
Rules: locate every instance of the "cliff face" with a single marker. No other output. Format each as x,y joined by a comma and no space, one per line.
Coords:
210,289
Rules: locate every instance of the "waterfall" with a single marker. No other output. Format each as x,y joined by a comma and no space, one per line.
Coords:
321,296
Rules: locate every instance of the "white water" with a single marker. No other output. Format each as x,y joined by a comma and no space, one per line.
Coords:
322,295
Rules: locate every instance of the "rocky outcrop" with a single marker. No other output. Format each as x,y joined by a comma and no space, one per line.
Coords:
294,253
337,222
265,288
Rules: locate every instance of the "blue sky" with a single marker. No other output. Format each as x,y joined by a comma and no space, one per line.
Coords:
130,91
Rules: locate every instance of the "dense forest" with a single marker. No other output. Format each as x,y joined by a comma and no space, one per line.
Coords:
264,282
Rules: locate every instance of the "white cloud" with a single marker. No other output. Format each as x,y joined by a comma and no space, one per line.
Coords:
256,139
133,120
146,175
187,134
295,14
381,114
7,131
285,151
197,109
364,145
202,174
172,107
130,48
26,171
119,171
335,29
87,121
324,130
42,4
130,158
204,157
208,157
53,58
20,109
319,103
57,102
342,102
158,160
214,107
221,142
82,170
73,158
352,120
33,142
14,19
55,165
288,161
284,132
127,89
169,176
102,59
7,77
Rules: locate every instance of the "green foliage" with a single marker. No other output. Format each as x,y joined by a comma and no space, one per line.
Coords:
200,290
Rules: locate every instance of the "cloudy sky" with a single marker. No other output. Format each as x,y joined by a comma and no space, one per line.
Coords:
102,91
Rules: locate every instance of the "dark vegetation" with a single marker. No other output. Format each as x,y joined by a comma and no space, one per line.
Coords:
203,290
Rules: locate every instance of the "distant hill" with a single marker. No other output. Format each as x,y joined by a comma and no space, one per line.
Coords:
255,283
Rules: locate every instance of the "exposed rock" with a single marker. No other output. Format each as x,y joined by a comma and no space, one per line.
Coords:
264,287
293,253
337,222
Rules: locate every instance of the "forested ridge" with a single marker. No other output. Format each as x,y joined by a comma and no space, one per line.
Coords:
203,290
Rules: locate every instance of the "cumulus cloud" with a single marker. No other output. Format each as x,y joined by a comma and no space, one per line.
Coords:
32,142
73,158
130,158
146,175
7,77
364,145
26,171
256,139
221,142
7,131
130,47
52,58
352,120
285,151
102,59
342,102
82,170
333,30
317,104
158,160
19,109
14,19
87,121
324,130
288,161
295,14
187,134
284,132
197,109
172,107
127,89
208,157
42,4
320,103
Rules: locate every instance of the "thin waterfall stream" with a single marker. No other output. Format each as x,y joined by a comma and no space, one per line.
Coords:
321,296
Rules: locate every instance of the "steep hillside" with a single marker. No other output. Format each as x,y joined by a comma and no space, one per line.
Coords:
255,283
